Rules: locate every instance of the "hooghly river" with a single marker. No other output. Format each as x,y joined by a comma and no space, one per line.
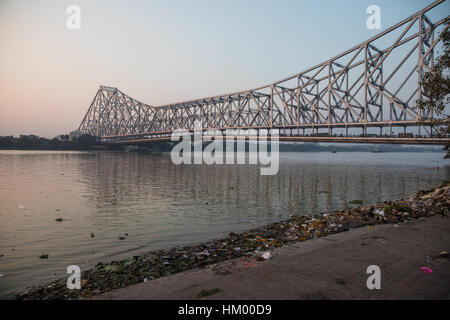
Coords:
161,205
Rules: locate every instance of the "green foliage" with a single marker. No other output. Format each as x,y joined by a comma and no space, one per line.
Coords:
32,142
86,141
436,84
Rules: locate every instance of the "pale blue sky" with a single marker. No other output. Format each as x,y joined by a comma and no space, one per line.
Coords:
164,51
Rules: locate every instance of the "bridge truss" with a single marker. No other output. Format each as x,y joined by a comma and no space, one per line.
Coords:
365,94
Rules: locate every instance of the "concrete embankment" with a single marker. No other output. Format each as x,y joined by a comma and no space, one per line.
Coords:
332,267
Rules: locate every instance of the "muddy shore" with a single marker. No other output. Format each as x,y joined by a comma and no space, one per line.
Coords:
106,277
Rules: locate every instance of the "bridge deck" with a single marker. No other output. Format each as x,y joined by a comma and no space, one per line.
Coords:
356,140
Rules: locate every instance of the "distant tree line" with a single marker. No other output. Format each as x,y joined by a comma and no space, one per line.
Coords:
32,142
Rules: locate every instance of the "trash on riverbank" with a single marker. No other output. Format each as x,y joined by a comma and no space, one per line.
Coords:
207,293
441,255
427,270
267,256
105,277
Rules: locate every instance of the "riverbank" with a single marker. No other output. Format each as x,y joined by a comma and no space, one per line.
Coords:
251,245
329,268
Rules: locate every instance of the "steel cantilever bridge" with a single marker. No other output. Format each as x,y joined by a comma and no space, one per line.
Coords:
365,95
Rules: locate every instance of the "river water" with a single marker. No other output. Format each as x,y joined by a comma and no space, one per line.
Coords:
161,205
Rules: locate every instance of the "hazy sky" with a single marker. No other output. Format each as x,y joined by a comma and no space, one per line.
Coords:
164,51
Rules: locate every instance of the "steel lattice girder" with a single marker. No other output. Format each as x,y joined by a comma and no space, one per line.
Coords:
353,89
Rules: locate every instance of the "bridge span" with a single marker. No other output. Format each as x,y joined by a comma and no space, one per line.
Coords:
367,94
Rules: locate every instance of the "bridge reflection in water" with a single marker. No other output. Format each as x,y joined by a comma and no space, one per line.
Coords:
151,189
368,94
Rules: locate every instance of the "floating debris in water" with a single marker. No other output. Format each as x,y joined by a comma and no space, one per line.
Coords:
43,256
59,220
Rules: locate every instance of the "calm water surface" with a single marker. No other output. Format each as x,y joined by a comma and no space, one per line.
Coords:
161,205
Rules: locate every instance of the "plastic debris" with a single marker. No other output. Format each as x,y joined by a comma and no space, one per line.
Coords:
380,212
441,255
426,270
267,256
